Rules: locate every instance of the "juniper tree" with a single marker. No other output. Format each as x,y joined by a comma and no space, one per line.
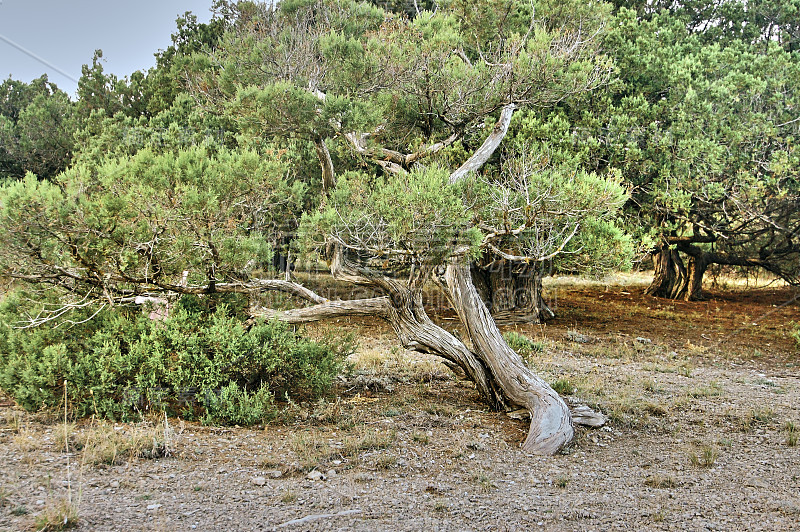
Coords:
406,118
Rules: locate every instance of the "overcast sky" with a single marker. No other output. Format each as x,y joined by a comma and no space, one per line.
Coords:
65,34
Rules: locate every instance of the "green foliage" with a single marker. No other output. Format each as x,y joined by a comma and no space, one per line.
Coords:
200,362
147,218
523,345
37,124
552,212
417,216
563,387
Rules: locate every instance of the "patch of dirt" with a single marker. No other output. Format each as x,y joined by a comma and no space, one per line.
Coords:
752,322
699,438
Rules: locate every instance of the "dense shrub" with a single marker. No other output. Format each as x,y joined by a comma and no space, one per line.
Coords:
201,362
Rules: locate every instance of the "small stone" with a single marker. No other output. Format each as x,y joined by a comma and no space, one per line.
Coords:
788,507
315,475
113,484
330,473
363,477
258,481
153,506
643,340
274,473
39,502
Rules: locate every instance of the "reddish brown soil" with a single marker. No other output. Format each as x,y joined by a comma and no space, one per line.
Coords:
740,322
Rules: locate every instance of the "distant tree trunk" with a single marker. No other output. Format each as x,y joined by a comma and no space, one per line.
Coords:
672,279
696,270
513,293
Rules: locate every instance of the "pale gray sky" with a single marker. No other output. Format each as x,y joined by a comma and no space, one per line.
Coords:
65,34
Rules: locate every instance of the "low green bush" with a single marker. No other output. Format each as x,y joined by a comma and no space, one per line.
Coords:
522,344
201,363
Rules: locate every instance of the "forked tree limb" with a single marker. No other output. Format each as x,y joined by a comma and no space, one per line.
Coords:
391,160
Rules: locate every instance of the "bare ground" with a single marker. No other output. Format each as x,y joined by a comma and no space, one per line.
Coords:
704,408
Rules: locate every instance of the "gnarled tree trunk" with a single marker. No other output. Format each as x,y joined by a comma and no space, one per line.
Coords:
512,292
697,266
499,373
669,277
673,279
551,421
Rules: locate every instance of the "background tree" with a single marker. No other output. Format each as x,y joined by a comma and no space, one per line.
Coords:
704,136
37,124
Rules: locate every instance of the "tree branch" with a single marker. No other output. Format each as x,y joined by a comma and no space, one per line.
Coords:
326,163
376,306
490,145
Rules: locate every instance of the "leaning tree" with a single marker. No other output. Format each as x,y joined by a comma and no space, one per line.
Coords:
367,89
406,117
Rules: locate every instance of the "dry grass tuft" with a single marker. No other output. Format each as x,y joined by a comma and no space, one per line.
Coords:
484,481
661,481
105,443
706,457
791,430
61,515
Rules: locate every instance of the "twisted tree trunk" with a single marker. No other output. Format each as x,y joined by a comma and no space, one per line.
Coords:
499,373
669,277
551,421
673,279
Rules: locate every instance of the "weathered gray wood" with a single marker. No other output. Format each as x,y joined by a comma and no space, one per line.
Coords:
488,147
377,306
551,422
581,415
325,162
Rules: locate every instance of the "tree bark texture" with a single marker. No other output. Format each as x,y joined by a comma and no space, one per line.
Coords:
551,421
512,292
326,164
673,279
